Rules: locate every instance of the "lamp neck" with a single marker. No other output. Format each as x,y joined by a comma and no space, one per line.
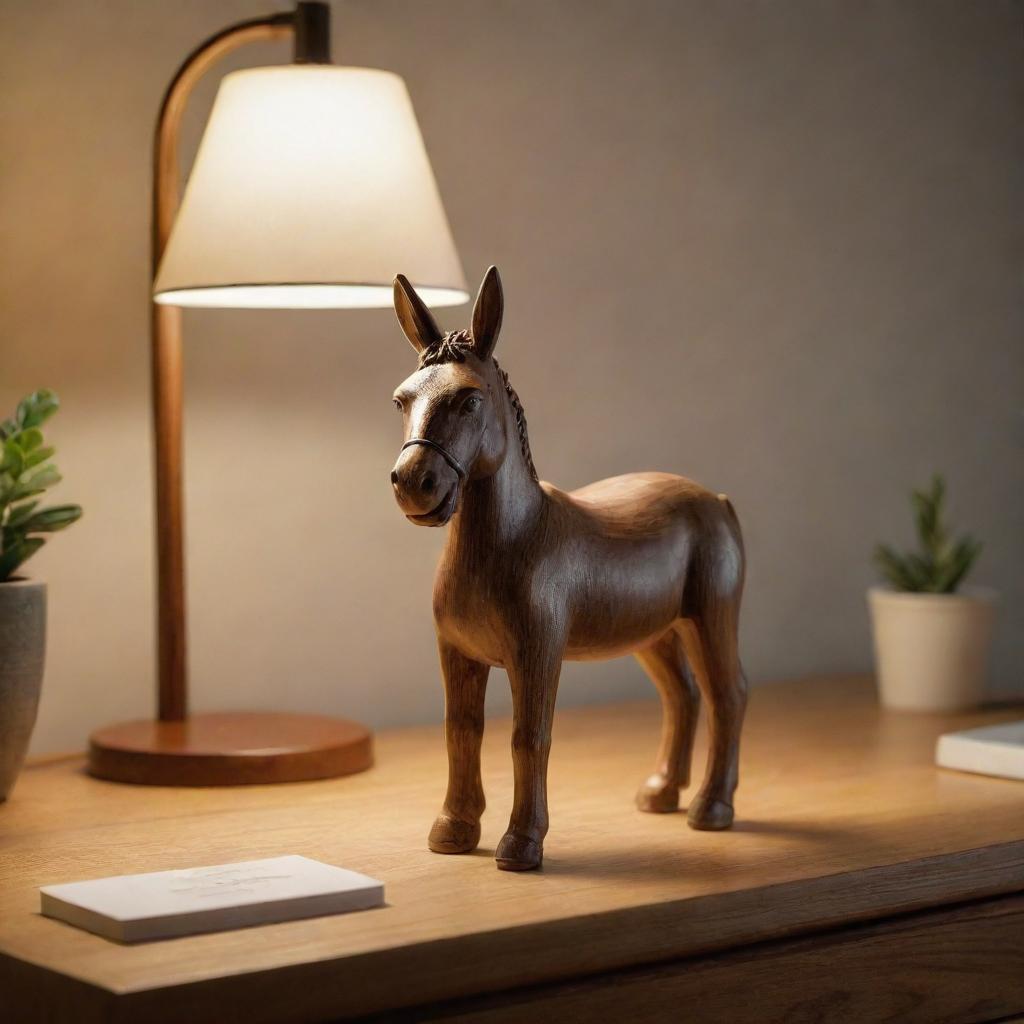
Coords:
312,33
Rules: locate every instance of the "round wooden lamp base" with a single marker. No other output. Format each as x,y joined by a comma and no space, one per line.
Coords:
231,749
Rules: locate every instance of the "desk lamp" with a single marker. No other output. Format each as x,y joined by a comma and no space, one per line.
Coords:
311,189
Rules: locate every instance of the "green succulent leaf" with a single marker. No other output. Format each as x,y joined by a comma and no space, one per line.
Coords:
38,456
45,476
20,513
922,572
49,520
29,439
14,458
956,568
14,556
894,568
36,409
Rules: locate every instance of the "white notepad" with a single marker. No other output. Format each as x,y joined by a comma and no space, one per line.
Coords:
166,904
991,750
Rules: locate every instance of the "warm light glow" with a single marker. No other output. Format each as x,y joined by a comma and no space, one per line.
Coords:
311,188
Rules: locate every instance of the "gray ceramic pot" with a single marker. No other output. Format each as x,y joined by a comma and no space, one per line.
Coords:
22,652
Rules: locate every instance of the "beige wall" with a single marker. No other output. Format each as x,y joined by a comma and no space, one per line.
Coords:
776,247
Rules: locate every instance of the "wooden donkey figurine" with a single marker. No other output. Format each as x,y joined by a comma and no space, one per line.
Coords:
648,564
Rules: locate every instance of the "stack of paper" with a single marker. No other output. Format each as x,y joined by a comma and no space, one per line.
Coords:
992,750
165,904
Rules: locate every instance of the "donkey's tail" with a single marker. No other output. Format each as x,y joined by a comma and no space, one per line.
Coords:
724,499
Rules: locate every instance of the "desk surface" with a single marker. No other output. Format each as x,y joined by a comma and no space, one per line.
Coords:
841,817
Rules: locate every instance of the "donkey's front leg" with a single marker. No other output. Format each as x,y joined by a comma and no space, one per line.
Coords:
534,682
457,827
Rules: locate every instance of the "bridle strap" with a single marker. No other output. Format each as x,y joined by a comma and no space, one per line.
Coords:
450,459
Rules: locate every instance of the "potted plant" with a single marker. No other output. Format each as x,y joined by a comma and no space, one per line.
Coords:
25,473
932,635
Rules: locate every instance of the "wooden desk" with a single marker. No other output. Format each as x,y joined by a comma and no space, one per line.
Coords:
860,883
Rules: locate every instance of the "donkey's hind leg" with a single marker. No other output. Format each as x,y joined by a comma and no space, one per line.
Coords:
665,662
711,645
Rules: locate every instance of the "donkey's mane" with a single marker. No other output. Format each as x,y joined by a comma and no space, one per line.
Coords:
453,348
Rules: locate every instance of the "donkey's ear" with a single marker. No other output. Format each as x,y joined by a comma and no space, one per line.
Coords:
417,321
487,314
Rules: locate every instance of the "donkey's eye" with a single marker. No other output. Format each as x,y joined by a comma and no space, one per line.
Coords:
472,403
397,402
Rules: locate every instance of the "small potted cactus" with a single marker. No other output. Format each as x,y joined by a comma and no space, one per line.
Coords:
932,635
25,473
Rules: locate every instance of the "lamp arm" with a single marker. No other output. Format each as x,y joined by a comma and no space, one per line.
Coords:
166,178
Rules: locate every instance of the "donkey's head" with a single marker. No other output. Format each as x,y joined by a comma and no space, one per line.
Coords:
454,406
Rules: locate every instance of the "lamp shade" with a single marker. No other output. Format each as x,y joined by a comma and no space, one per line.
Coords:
311,188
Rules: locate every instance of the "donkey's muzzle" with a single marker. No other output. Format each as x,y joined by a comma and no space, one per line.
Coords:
425,485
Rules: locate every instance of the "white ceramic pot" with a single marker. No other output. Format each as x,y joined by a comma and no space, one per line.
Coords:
931,650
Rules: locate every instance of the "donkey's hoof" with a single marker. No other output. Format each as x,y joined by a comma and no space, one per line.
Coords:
452,835
707,815
518,853
658,796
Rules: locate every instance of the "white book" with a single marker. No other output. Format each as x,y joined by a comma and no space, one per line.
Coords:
991,750
166,904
